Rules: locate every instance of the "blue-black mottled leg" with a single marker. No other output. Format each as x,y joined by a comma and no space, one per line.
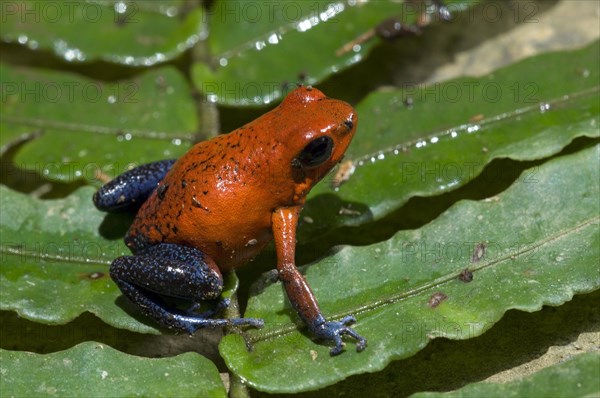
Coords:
175,271
216,306
129,190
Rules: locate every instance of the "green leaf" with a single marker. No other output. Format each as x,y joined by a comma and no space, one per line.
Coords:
432,147
55,260
88,126
535,244
260,50
577,377
96,370
129,33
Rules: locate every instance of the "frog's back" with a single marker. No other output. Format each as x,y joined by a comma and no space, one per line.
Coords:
218,197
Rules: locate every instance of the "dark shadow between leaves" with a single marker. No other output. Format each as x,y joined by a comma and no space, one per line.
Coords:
115,225
21,56
19,334
29,181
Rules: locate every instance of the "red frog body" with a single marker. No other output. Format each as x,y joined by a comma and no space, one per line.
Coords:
217,207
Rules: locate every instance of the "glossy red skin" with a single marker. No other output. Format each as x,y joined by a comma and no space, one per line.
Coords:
221,195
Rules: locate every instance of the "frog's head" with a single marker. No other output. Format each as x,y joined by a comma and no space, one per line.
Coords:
321,130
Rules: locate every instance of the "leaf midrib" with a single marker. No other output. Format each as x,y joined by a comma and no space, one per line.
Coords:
36,255
95,129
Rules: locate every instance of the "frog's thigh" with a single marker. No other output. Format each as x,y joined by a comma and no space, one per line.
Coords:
178,271
170,270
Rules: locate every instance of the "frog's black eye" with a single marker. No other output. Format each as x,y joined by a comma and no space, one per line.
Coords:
316,152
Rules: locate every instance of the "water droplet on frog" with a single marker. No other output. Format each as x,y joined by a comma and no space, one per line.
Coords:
22,39
433,140
176,141
223,61
544,107
356,48
381,156
33,44
111,99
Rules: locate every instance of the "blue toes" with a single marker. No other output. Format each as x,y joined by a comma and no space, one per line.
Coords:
333,331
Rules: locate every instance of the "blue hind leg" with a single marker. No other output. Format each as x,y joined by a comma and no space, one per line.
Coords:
177,271
130,190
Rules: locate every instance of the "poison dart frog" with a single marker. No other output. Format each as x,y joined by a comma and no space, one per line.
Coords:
215,208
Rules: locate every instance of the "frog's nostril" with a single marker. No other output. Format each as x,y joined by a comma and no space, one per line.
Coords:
349,123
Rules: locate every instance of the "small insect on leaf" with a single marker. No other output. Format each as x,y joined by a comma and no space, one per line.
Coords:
476,118
466,275
478,252
436,299
92,275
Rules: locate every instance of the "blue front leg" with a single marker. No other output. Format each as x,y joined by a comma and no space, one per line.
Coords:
131,189
175,271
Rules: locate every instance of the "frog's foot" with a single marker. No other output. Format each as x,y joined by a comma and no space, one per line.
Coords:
333,331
